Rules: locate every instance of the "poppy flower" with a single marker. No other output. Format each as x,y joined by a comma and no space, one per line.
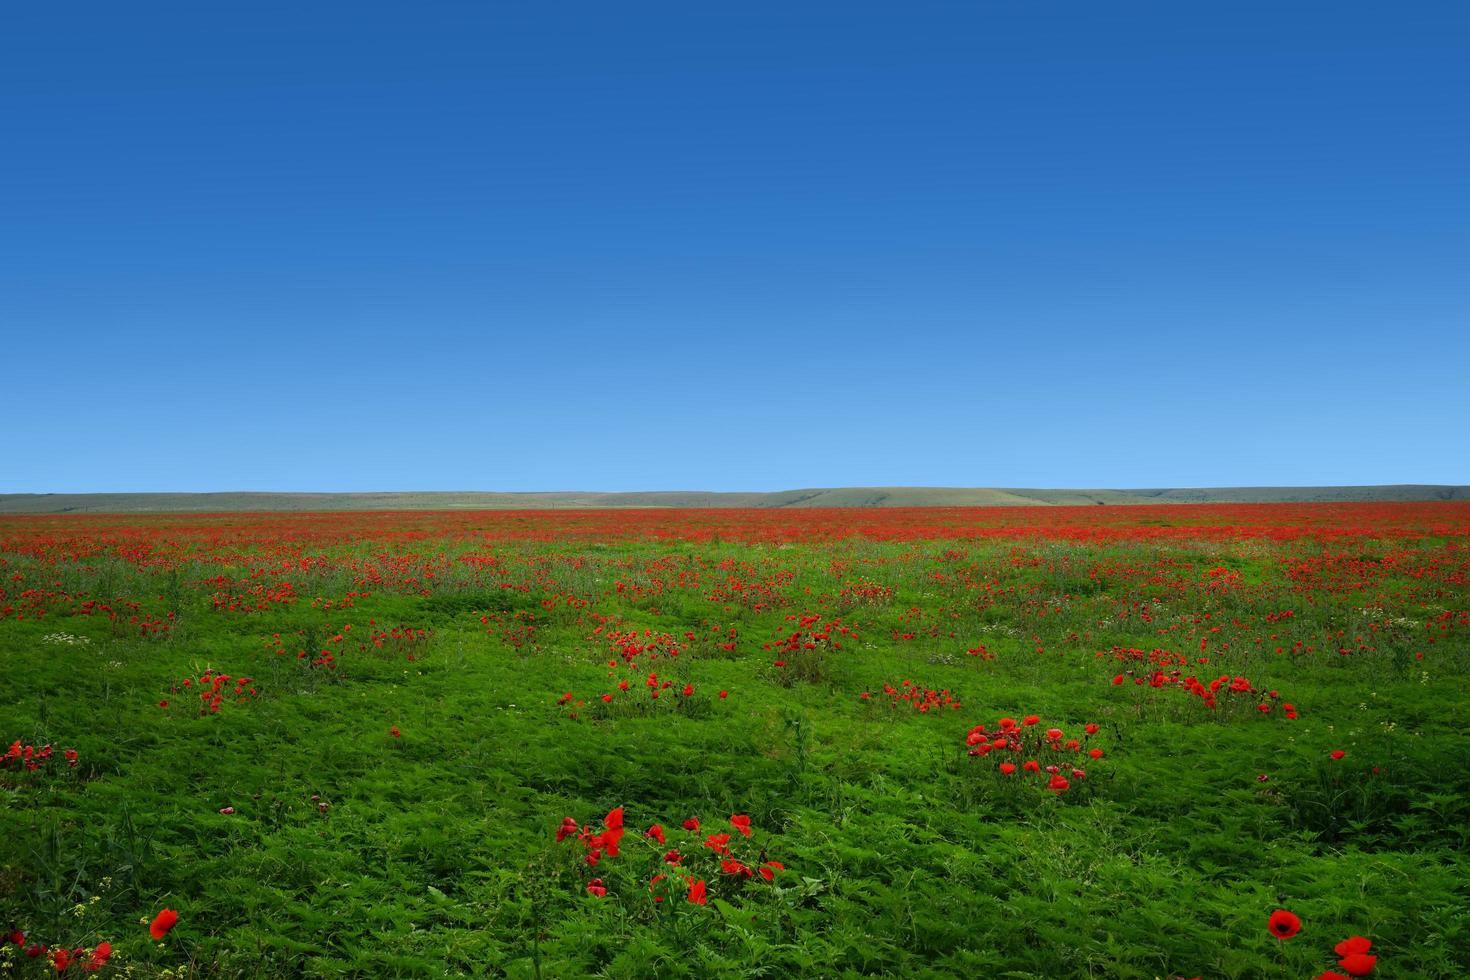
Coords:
741,822
395,732
1358,964
61,959
17,937
1338,753
596,888
656,832
1007,767
769,869
691,824
1283,924
162,923
696,893
99,957
1351,945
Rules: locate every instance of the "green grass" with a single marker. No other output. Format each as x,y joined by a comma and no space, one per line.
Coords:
904,855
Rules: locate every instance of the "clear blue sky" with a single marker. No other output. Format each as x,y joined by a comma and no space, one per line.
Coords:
538,246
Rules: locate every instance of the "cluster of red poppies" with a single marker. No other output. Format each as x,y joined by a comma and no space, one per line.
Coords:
1353,956
645,694
695,860
915,696
213,689
30,758
1235,691
63,958
1042,752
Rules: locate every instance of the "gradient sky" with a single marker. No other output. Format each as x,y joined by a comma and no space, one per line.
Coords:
535,246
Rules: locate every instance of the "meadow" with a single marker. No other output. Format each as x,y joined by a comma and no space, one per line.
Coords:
1175,741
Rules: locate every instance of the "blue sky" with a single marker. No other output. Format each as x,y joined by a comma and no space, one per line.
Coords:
734,246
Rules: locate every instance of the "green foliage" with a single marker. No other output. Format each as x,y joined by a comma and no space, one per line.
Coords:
352,852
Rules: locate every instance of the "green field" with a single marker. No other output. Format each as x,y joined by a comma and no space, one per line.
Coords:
409,717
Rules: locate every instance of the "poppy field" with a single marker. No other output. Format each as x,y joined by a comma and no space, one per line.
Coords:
1176,741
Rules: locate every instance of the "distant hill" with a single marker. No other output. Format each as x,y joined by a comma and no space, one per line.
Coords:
130,503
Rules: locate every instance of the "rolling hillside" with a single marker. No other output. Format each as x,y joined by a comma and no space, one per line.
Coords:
60,503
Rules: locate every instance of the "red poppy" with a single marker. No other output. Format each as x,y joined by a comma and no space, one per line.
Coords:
99,957
741,822
1338,753
769,869
691,824
656,832
1007,767
162,923
596,888
1358,964
1351,945
696,893
1284,924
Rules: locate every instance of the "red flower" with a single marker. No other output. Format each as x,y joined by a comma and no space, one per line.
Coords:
696,893
656,832
741,822
162,923
395,732
1338,753
1031,720
17,937
769,869
1358,964
1283,924
730,866
1059,783
719,843
691,824
1351,945
1096,753
567,829
61,959
596,888
99,957
1007,767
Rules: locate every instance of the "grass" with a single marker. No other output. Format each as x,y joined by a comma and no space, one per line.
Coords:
904,855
